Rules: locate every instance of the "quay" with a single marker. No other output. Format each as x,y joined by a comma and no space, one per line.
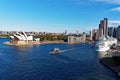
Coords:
112,64
114,49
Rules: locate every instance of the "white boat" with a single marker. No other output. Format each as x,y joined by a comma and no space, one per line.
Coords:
104,44
55,50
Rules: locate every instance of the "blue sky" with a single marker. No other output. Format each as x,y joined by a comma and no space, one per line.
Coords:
57,15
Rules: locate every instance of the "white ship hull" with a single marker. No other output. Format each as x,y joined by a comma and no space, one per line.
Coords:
102,49
104,44
102,54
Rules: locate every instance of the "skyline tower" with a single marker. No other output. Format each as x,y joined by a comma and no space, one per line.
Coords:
103,27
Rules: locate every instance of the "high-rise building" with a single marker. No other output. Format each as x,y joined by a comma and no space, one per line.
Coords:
110,31
103,27
115,32
118,33
95,34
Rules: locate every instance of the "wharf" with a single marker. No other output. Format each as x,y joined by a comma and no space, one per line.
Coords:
109,63
115,48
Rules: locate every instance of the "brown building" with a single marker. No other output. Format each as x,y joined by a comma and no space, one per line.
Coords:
103,27
95,34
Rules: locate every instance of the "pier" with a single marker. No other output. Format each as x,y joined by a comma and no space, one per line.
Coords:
113,63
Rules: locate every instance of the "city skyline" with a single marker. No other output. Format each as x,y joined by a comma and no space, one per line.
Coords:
57,16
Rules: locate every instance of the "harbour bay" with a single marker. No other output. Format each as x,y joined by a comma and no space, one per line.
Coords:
77,62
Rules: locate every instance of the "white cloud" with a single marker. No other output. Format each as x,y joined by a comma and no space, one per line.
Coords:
114,23
117,9
108,1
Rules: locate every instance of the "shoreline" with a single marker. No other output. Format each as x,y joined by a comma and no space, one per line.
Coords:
24,44
39,42
52,42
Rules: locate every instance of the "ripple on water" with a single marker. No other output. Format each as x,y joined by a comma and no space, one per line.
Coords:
76,62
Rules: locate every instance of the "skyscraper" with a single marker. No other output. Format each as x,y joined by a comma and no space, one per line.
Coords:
103,27
115,32
110,31
118,33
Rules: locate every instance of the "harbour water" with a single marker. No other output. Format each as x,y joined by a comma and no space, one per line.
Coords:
76,62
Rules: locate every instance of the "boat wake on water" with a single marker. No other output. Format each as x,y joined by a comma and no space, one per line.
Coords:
69,49
57,50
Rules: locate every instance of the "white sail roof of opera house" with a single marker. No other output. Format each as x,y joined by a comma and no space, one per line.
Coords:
22,36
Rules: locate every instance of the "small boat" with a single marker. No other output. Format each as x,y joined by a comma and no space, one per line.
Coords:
55,50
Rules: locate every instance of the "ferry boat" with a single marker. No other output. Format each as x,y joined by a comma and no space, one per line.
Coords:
104,44
55,50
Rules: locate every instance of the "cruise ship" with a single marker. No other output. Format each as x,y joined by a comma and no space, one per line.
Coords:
104,44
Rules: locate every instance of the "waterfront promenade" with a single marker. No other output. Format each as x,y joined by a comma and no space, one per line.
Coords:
112,64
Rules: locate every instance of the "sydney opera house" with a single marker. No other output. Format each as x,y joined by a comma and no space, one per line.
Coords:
21,38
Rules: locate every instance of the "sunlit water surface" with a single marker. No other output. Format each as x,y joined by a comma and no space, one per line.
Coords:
76,62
